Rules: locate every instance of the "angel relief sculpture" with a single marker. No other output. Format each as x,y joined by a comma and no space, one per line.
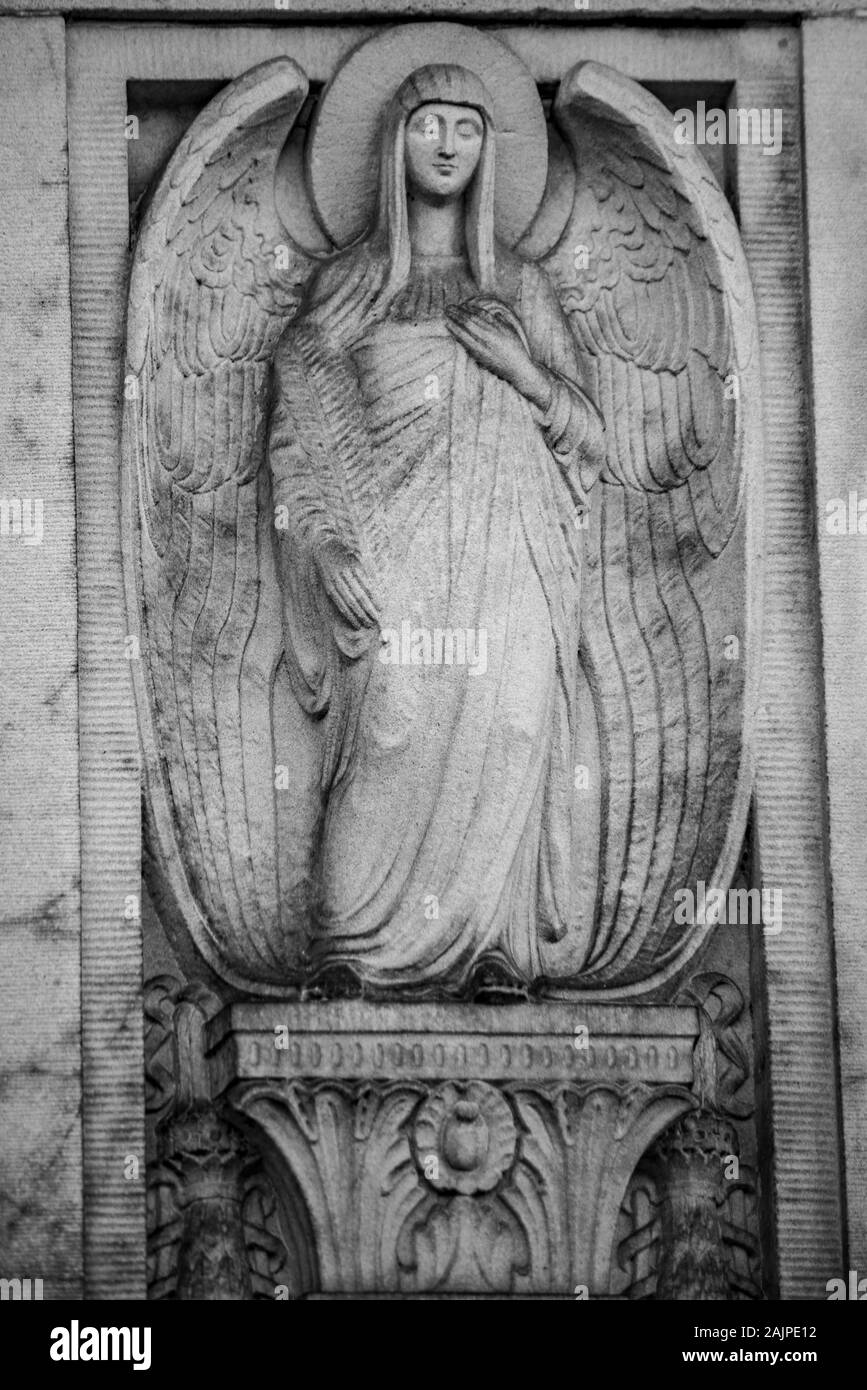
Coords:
512,417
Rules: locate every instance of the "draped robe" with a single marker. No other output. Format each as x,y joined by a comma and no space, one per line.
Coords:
447,819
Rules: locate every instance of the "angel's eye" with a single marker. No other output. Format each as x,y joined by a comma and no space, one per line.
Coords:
428,126
468,130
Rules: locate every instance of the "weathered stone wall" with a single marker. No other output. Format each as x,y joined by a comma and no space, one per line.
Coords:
835,55
40,932
45,799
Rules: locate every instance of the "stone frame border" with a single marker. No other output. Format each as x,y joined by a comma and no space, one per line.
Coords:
799,1063
834,56
40,1002
483,11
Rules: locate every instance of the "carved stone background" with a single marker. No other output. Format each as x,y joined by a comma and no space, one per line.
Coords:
364,1155
322,1122
792,998
766,75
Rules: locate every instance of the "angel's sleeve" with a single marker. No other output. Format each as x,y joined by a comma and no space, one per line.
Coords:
572,423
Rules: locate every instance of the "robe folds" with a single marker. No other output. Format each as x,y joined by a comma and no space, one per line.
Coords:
447,819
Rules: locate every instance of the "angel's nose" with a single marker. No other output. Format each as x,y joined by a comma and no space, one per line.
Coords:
447,140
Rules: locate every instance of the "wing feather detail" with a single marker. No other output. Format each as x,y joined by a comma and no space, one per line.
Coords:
650,271
215,279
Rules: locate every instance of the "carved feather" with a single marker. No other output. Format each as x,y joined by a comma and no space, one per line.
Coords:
215,279
651,273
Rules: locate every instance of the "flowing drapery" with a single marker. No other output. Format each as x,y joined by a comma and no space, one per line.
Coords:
448,812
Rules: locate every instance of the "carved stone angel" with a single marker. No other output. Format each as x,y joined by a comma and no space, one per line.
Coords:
441,788
404,437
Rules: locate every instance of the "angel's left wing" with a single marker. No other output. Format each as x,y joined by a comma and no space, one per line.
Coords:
650,271
215,279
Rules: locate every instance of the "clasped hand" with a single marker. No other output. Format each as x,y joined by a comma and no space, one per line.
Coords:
492,333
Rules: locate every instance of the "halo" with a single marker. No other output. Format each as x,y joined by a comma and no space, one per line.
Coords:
342,157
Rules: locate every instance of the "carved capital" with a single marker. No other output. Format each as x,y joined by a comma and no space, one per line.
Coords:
414,1181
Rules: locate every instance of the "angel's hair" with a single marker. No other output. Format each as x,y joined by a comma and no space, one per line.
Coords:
386,244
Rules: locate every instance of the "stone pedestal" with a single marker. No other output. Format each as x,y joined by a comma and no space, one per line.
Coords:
454,1150
490,1120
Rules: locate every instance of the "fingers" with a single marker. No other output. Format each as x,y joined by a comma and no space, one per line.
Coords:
470,331
488,313
502,314
347,606
493,316
335,595
352,597
459,329
362,596
486,350
497,308
482,326
478,351
459,313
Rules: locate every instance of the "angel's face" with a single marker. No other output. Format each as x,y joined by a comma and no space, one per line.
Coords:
443,145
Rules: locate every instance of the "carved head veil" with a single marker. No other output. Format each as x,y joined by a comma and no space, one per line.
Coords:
438,82
384,248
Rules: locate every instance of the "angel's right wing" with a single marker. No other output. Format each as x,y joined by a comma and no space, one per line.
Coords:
215,279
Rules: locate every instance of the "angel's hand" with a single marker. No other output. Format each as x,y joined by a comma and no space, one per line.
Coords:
347,585
491,333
